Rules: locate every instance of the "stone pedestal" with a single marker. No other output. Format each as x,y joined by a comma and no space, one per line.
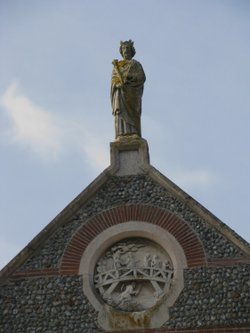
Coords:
129,156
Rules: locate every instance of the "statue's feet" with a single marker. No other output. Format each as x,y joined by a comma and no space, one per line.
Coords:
128,137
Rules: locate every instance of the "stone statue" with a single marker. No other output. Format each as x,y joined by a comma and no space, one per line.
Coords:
126,92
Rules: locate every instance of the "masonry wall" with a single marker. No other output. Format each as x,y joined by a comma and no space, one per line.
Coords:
45,293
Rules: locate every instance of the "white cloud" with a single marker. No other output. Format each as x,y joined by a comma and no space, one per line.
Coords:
31,126
96,152
79,137
48,135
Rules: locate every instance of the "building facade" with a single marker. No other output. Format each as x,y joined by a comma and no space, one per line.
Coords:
132,253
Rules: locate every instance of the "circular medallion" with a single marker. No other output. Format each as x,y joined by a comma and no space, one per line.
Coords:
133,274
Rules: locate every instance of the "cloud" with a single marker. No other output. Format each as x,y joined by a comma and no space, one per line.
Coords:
31,126
80,138
48,135
96,152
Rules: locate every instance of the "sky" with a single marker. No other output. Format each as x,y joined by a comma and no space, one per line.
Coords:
55,114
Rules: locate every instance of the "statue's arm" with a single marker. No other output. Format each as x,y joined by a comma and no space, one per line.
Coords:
136,75
115,78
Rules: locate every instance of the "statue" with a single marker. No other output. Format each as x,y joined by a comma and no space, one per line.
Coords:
126,92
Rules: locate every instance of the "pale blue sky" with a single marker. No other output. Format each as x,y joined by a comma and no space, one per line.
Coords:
55,114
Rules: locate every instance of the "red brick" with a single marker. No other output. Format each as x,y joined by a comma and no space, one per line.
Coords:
169,221
90,230
110,217
174,225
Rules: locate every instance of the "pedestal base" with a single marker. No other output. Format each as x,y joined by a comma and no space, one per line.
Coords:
129,155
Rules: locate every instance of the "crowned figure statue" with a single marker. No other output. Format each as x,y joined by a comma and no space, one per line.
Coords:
126,92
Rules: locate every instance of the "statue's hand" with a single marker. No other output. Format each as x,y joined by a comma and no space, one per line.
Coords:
119,85
115,62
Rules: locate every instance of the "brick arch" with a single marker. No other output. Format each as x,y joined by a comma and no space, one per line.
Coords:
182,232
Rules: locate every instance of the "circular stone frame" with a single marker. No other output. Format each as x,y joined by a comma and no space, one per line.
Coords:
155,317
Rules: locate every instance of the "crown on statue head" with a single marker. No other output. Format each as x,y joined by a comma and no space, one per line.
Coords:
127,42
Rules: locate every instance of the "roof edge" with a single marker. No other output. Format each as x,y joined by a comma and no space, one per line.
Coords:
199,209
59,220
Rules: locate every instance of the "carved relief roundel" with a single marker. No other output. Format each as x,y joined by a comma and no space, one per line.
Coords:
133,274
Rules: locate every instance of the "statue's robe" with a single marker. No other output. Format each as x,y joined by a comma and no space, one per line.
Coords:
126,100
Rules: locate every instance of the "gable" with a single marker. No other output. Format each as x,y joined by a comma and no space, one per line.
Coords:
212,250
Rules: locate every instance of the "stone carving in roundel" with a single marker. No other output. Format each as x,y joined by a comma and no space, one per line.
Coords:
133,275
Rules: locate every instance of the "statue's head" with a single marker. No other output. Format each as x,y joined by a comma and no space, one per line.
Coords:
127,49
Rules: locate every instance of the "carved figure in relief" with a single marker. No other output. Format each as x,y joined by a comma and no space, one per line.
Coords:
128,293
155,261
126,91
166,265
101,266
117,259
130,262
158,294
147,260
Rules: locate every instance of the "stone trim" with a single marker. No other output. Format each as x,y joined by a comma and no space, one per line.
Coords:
182,232
228,262
198,330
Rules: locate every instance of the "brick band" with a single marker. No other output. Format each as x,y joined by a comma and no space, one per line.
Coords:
182,232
